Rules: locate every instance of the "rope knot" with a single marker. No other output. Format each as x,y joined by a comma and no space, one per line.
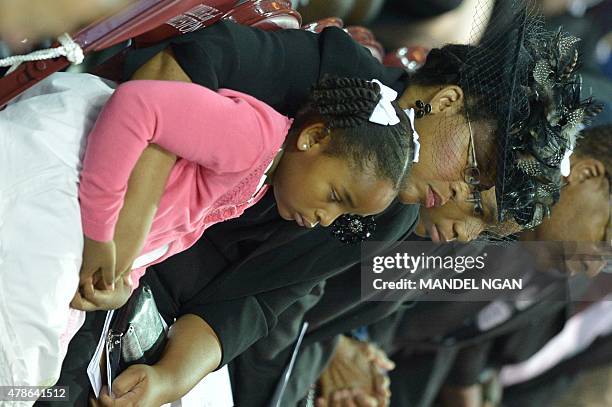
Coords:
69,49
73,51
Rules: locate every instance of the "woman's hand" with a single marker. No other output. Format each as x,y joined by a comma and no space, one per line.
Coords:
192,351
357,374
348,398
92,299
98,267
138,385
377,356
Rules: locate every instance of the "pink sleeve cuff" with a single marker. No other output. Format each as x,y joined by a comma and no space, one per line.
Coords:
96,231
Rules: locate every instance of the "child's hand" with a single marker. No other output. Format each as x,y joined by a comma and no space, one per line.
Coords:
98,265
96,299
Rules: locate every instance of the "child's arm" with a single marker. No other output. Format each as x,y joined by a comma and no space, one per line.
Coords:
145,188
221,131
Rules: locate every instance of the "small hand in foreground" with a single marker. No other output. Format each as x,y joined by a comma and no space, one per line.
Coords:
98,265
93,299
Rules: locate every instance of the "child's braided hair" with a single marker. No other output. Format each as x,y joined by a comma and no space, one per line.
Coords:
345,102
345,105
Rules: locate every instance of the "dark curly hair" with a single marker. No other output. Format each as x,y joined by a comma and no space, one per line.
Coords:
447,66
345,105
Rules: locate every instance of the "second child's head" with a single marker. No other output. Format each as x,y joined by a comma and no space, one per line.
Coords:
336,161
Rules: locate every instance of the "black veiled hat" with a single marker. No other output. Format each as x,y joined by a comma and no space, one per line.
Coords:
526,80
521,81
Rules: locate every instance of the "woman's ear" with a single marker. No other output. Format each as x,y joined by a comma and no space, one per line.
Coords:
585,168
447,99
312,135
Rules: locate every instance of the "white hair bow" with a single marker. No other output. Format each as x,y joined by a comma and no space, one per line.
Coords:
384,112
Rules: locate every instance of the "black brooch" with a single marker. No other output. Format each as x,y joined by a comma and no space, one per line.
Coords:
352,229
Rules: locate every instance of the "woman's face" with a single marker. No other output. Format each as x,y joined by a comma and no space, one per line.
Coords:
444,135
312,187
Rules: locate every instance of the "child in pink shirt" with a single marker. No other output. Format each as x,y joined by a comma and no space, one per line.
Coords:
164,161
225,141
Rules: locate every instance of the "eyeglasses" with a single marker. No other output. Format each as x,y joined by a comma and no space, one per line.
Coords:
471,176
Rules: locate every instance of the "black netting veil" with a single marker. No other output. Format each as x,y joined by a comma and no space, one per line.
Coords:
522,111
523,80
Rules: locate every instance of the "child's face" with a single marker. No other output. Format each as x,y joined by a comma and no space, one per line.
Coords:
312,187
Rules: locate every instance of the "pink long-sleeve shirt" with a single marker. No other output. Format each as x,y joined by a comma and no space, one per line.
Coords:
225,140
